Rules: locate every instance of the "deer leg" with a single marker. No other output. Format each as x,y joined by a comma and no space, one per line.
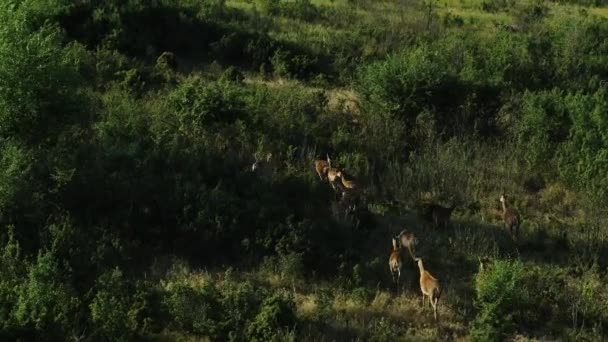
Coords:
398,276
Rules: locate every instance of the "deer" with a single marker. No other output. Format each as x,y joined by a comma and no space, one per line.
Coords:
348,187
441,215
394,261
348,184
332,178
437,214
429,286
322,166
510,217
409,241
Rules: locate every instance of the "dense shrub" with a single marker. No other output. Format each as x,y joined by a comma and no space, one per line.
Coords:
275,313
47,304
39,81
13,270
501,298
233,310
199,105
120,310
544,124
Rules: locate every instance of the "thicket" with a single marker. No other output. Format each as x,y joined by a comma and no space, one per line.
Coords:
115,152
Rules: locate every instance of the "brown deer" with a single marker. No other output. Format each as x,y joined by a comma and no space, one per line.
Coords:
409,241
321,167
394,262
349,188
429,286
332,178
349,184
510,217
436,214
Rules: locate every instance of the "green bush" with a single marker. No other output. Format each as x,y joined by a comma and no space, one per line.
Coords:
275,313
196,311
543,126
17,162
47,303
582,160
39,81
501,298
13,272
232,310
121,311
199,105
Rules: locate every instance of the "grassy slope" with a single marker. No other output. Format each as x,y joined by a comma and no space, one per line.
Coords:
452,255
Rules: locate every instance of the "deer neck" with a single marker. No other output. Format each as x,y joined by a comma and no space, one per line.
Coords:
421,267
409,249
504,206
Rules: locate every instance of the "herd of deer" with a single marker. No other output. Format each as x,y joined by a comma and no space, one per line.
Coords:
439,216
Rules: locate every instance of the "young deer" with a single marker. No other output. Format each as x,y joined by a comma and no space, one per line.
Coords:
510,217
395,262
409,241
321,167
429,286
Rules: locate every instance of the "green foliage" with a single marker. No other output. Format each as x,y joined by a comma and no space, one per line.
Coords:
12,275
496,5
128,131
531,12
39,81
275,313
501,298
383,330
234,310
17,163
231,74
583,158
195,311
120,311
47,304
544,125
199,105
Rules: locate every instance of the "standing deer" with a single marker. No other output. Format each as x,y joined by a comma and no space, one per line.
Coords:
441,215
436,214
394,262
429,286
510,217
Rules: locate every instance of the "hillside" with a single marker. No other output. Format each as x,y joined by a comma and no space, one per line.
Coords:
158,181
